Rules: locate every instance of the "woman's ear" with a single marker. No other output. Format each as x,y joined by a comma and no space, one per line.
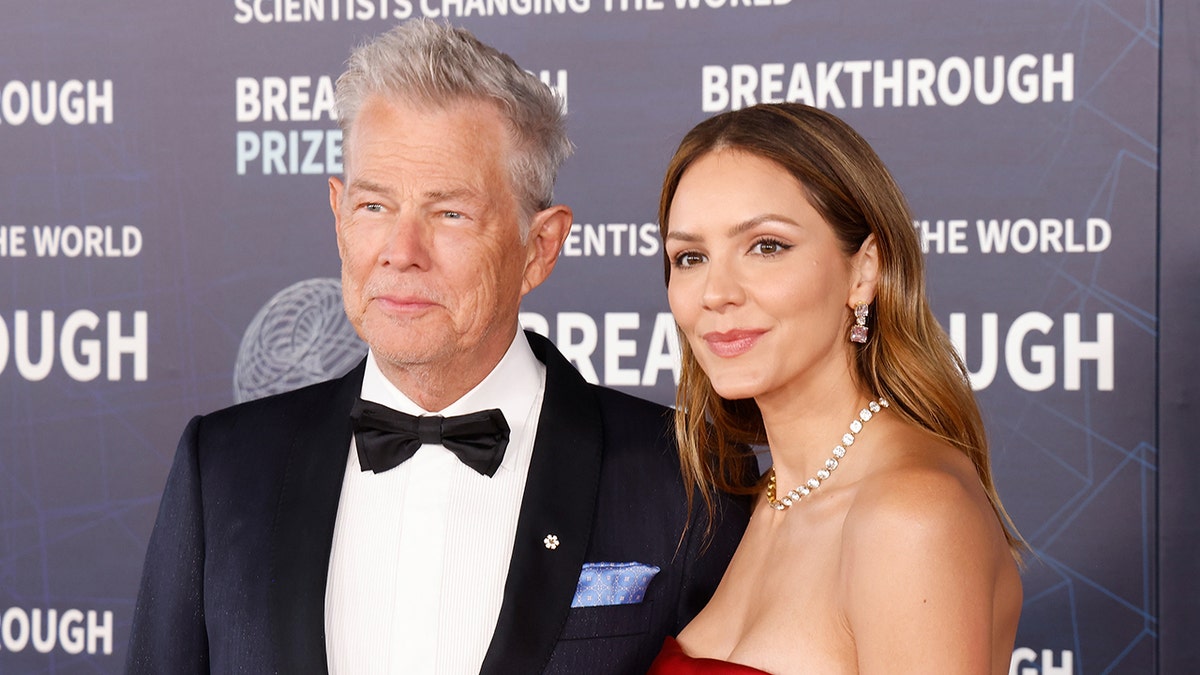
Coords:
864,266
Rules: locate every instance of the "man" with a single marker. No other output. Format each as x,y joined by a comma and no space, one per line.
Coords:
314,531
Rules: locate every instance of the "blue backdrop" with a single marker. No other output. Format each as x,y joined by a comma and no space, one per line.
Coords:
166,249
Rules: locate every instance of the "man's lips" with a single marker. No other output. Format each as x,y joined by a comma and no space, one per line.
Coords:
404,303
732,343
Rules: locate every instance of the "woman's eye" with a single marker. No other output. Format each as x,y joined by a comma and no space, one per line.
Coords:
689,259
769,247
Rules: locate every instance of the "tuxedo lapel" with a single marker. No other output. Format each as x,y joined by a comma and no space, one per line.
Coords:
304,522
559,500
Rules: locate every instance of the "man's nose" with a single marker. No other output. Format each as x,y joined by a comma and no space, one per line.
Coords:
409,243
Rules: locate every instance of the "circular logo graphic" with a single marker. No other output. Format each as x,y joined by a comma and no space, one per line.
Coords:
300,337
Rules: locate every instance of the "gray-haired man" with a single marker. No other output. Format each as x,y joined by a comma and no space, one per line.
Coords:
462,501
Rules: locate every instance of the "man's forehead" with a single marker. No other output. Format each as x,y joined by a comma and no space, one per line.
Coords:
421,106
470,128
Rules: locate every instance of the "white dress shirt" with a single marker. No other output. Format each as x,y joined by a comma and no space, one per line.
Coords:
421,552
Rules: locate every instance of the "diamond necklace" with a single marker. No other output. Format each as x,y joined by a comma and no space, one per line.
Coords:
839,451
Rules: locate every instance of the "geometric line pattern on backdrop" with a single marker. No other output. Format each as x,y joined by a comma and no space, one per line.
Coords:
1112,471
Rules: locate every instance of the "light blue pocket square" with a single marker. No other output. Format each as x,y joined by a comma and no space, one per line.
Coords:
605,583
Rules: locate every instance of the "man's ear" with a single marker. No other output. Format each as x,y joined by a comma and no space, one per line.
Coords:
547,233
865,273
336,189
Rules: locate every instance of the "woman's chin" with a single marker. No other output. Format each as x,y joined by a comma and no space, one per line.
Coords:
734,391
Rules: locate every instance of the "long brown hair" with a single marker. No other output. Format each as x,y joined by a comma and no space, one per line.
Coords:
909,359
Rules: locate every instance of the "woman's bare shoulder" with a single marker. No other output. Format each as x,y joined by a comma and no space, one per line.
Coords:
921,493
924,554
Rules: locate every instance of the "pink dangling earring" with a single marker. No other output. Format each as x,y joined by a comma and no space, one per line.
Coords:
858,332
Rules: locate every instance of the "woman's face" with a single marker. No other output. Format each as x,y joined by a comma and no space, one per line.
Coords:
759,284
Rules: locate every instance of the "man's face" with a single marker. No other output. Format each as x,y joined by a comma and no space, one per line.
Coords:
433,267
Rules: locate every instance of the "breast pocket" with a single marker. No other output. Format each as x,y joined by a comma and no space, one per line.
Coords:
584,623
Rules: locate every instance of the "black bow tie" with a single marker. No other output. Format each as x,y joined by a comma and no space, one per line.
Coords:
387,437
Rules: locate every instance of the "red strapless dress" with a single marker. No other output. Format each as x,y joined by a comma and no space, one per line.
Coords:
672,661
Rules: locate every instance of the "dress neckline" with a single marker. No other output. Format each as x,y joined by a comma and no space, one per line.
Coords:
672,660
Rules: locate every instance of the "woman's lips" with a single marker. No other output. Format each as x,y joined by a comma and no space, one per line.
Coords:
732,343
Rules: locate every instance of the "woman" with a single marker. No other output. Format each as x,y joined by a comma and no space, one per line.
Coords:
878,543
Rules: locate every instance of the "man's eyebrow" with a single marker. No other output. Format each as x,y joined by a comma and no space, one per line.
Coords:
359,185
442,195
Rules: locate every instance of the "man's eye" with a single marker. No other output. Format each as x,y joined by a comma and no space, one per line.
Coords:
452,214
373,207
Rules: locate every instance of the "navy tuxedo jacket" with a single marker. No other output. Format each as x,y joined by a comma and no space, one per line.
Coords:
234,580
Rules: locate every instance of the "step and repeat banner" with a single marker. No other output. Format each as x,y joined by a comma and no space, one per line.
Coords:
166,249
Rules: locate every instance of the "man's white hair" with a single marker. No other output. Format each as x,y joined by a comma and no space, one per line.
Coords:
424,63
